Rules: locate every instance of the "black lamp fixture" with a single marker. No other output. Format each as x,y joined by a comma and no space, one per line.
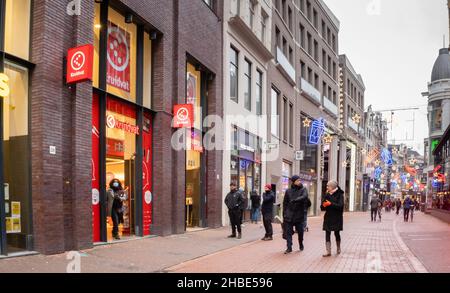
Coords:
153,35
128,18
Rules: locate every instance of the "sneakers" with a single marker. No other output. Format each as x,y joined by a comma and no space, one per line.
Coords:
302,247
289,250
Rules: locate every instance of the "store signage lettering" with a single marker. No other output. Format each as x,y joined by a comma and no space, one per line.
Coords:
183,116
112,122
247,148
4,86
80,64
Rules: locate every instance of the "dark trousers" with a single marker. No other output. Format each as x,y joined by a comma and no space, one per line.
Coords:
405,214
267,220
235,220
115,220
373,214
290,231
412,213
336,234
398,210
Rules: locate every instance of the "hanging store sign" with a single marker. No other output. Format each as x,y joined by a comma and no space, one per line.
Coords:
183,116
112,122
4,86
317,131
79,64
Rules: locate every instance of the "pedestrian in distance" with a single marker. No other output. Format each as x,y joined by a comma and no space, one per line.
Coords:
235,203
374,203
255,199
305,223
333,221
295,199
268,200
406,208
380,209
398,205
413,207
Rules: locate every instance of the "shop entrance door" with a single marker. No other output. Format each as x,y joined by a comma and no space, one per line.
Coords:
246,183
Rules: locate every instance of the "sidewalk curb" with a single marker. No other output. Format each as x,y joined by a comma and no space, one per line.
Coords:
417,265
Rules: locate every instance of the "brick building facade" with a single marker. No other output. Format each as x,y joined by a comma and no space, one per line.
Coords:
60,196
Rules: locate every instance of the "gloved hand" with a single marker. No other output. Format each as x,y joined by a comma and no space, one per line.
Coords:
326,204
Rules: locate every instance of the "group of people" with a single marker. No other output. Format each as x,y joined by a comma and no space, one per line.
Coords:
409,205
296,203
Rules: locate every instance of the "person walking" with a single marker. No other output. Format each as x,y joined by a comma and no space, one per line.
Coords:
398,205
414,204
268,199
380,209
333,221
406,207
374,203
116,195
256,203
235,203
295,199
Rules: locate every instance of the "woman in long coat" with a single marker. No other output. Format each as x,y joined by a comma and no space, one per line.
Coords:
333,221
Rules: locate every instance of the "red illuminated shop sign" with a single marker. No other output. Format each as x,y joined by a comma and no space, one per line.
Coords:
183,116
79,64
112,122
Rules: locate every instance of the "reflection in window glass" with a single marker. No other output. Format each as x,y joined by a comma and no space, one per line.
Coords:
17,28
436,116
147,101
16,166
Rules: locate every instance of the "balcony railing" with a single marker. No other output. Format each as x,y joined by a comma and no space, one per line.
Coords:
328,104
285,64
311,91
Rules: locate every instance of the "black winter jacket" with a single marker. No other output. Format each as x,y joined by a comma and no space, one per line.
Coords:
235,200
267,204
294,203
334,214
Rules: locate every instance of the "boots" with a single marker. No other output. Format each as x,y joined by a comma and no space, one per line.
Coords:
328,247
338,244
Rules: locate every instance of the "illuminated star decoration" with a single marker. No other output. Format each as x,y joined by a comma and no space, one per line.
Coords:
356,118
306,123
316,131
344,164
327,139
377,162
364,152
395,150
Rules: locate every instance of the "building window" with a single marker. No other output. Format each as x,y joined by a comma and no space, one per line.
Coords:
263,26
283,8
316,81
333,43
436,116
290,19
310,75
315,19
259,92
308,10
286,172
309,163
234,70
302,6
285,119
334,70
17,28
291,55
248,85
274,119
323,29
302,36
285,47
302,69
252,9
324,88
309,44
277,37
324,60
316,51
291,123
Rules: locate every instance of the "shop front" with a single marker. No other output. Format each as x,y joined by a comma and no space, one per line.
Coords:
246,164
309,164
16,231
121,124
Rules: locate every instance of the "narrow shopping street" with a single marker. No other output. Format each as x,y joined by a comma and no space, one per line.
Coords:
391,246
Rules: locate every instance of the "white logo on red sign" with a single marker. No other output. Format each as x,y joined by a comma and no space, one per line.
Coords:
95,196
118,55
183,114
111,121
78,60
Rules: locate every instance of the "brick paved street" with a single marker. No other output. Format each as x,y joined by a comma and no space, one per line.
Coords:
389,246
367,247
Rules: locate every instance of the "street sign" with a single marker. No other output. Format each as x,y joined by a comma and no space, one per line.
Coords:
299,155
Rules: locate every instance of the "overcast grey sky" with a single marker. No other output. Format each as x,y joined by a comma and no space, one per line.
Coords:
393,46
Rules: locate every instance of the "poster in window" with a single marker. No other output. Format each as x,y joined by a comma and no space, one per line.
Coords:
15,209
191,89
8,222
119,58
16,226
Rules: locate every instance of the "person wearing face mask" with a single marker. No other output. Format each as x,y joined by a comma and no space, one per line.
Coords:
116,197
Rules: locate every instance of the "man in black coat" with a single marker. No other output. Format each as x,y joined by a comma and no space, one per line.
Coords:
267,211
333,221
294,203
235,202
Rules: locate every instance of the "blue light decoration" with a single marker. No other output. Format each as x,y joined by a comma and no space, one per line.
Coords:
404,178
393,184
317,131
435,183
386,156
378,172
